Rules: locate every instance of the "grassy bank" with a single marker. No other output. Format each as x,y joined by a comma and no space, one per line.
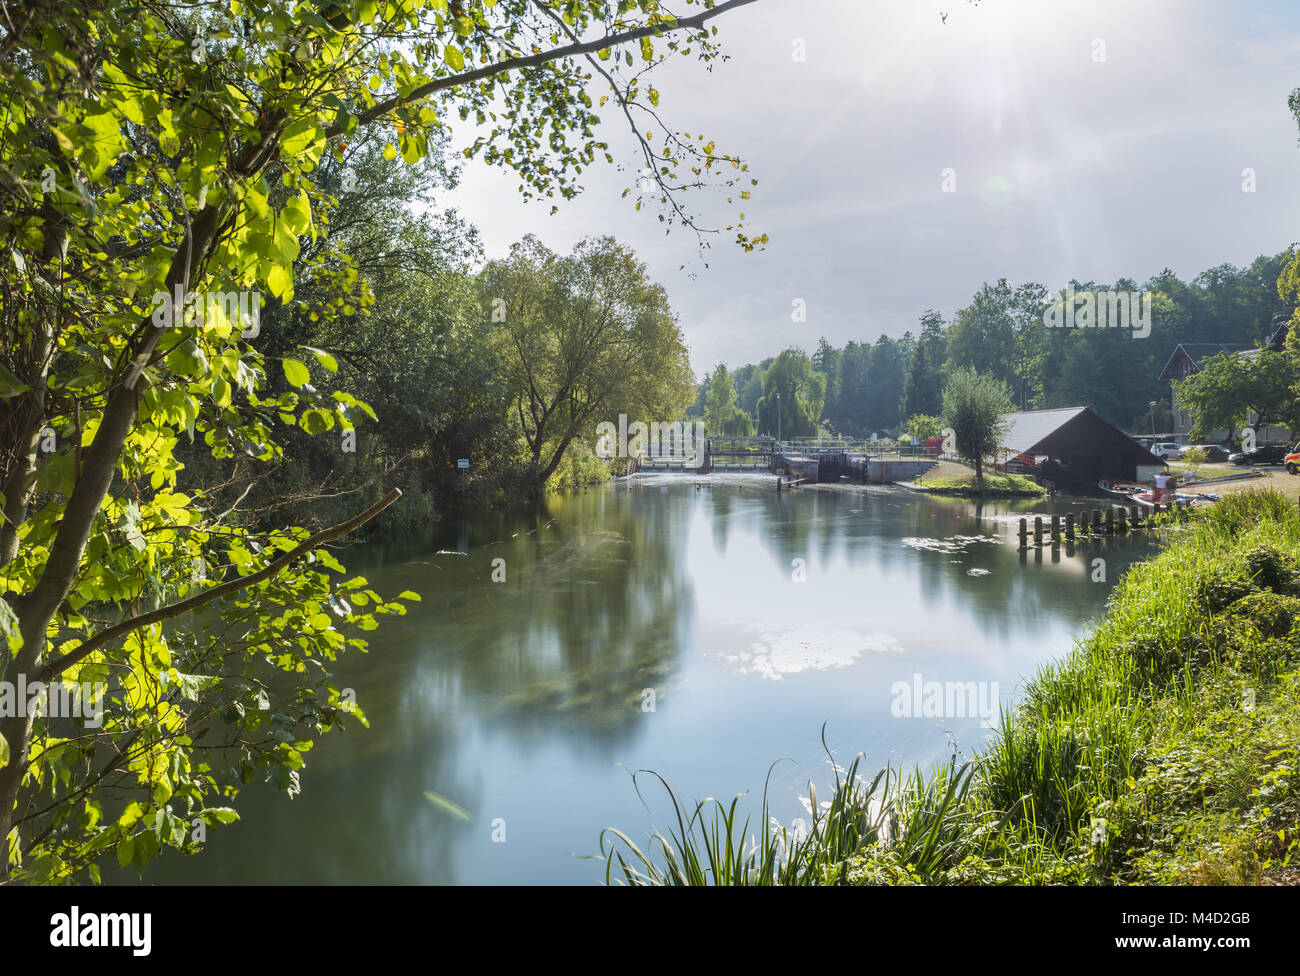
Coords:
964,484
1165,749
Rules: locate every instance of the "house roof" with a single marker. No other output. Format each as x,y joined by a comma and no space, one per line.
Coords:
1024,430
1198,352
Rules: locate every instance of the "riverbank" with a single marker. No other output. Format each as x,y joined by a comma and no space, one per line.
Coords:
1165,749
950,478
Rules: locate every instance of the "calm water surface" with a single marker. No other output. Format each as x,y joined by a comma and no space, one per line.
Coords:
528,701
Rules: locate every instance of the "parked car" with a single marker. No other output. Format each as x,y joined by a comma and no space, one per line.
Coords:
1213,452
1292,462
1167,451
1263,454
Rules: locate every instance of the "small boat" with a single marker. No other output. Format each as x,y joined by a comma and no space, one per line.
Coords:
1122,489
1134,493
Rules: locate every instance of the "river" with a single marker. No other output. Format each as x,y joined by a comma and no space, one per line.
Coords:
701,628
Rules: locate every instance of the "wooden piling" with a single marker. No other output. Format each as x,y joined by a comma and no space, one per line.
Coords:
1056,530
1024,533
1069,527
1110,521
1038,530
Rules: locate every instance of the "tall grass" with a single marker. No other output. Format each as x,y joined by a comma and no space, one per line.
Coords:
1219,599
920,820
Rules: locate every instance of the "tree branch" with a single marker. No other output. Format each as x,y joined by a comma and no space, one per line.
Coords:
535,60
59,664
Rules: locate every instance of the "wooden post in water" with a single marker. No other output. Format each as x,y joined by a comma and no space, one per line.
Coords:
1134,517
1038,530
1056,530
1110,521
1069,527
1024,533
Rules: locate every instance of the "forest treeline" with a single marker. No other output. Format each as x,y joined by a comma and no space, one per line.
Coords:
866,387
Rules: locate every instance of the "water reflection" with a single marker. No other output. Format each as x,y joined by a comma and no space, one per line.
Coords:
700,632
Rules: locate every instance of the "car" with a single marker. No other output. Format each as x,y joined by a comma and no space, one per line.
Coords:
1213,452
1292,461
1263,454
1168,451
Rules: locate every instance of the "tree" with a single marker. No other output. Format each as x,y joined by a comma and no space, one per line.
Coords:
923,426
923,385
826,360
584,339
983,338
854,393
884,391
722,415
1031,337
973,405
1230,387
792,396
156,163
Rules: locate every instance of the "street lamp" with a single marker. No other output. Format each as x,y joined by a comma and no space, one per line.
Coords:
1152,404
778,418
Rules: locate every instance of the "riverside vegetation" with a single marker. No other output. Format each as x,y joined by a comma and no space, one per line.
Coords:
1165,749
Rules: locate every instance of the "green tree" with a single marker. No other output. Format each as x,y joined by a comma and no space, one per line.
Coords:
923,385
150,155
923,426
792,383
885,374
722,415
1229,388
584,339
973,406
826,360
983,338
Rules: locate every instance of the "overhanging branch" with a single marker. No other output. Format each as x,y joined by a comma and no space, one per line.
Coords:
55,667
534,60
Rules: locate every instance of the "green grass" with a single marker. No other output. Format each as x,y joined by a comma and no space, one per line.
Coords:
1208,473
1165,749
991,484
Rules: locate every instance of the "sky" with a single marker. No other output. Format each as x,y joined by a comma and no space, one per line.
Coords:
1090,139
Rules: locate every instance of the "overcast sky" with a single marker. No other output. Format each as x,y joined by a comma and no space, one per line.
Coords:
1066,166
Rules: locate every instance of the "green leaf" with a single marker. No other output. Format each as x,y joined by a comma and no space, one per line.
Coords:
4,751
280,281
11,385
224,815
324,358
455,60
295,372
125,851
409,595
303,138
297,214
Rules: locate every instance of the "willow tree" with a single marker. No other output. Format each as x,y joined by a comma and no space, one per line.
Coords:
722,413
583,338
793,393
159,161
